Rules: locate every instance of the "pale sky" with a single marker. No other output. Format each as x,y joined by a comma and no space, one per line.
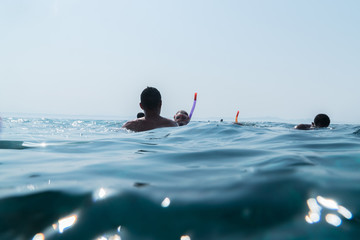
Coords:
270,58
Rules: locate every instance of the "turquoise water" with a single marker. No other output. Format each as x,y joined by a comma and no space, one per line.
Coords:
89,179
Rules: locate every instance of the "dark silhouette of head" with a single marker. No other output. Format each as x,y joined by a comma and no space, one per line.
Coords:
140,115
150,98
321,120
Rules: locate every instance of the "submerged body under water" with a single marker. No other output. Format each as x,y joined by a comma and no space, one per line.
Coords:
90,179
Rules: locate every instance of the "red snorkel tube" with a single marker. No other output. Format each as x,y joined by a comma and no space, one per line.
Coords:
193,107
236,118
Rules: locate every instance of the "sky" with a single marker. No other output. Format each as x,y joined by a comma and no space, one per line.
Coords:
269,59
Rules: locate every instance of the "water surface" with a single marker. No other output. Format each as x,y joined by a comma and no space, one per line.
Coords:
90,179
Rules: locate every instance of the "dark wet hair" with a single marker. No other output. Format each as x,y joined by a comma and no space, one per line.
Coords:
140,115
182,112
150,98
322,120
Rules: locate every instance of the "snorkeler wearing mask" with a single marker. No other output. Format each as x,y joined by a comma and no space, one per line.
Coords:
182,118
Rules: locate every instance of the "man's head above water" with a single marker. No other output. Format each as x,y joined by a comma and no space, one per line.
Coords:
321,120
150,99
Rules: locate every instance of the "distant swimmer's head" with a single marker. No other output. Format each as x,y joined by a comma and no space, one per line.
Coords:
140,115
182,118
150,99
321,120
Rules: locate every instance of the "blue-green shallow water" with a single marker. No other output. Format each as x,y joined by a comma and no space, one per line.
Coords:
207,180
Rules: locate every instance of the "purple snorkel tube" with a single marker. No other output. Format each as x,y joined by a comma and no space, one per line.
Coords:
193,107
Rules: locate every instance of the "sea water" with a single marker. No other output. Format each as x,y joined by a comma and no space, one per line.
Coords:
90,179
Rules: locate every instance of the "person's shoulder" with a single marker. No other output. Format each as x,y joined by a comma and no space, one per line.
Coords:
168,122
141,124
128,124
133,125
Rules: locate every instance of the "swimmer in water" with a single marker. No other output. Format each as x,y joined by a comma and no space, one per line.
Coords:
182,118
150,102
320,121
140,115
236,119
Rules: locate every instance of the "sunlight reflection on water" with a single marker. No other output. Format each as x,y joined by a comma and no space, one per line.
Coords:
316,206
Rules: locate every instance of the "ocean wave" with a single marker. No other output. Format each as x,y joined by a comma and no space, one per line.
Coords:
89,179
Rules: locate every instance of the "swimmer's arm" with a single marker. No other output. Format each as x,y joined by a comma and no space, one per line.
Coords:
303,126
